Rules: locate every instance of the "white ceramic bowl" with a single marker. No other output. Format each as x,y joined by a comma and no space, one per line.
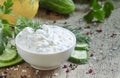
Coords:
45,61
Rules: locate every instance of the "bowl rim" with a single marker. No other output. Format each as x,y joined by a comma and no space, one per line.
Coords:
33,52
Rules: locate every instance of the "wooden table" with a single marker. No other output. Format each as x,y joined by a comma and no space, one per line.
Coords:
105,48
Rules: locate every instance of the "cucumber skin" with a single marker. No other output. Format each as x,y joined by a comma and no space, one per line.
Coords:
78,61
59,6
10,59
13,62
81,48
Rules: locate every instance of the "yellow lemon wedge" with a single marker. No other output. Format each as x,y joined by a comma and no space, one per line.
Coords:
26,8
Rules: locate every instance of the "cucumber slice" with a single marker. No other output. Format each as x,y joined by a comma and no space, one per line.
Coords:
8,55
10,63
79,57
82,46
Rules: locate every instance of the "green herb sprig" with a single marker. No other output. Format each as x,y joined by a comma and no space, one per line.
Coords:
8,31
6,7
99,12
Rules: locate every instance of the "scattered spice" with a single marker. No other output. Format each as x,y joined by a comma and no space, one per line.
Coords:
23,76
99,31
113,35
88,33
68,70
102,45
29,76
24,70
87,27
7,69
112,70
89,71
91,55
70,67
54,21
65,22
65,66
114,48
15,69
55,74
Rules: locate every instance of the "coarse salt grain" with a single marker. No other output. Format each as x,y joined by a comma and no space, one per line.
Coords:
24,70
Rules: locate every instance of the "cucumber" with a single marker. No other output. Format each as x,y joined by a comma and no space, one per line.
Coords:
59,6
82,46
79,57
8,55
10,63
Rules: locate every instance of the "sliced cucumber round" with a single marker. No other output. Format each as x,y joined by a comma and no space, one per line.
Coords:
79,57
8,55
82,46
10,63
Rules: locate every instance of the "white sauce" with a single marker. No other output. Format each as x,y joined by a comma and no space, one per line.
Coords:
48,39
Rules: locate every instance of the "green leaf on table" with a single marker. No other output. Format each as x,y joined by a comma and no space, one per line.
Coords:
1,47
25,22
99,15
1,43
95,4
6,31
1,9
5,21
98,12
108,7
6,7
89,17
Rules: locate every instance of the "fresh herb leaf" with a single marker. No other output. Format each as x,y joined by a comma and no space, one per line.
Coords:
99,12
25,22
99,15
95,4
5,21
89,17
108,7
7,31
1,9
7,7
81,38
2,47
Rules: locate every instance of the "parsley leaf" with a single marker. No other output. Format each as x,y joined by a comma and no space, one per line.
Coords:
99,15
95,4
89,17
5,29
25,22
98,12
108,7
6,7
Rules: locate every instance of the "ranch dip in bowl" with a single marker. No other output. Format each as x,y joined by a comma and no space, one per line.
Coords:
45,48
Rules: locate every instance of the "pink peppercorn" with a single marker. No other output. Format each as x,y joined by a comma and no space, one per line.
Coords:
65,66
99,31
